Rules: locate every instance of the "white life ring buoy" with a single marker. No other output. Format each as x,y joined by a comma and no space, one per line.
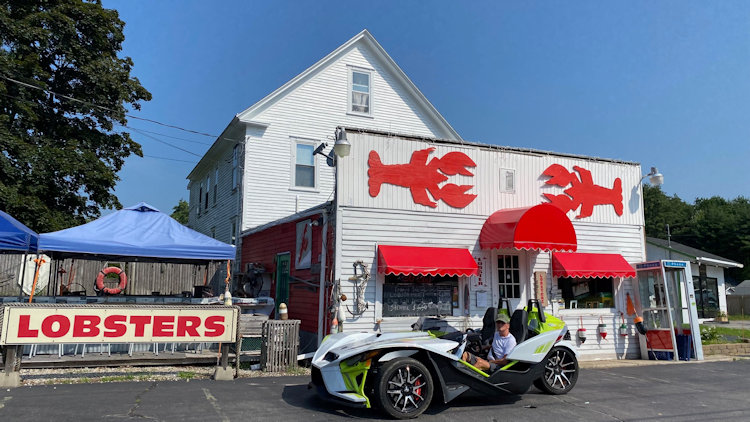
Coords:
111,270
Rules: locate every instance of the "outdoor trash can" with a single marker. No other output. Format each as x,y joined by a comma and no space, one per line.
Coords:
685,346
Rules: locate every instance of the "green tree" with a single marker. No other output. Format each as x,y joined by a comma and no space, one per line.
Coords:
181,211
660,210
714,225
61,157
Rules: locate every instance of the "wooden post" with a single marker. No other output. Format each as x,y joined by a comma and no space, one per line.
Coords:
11,377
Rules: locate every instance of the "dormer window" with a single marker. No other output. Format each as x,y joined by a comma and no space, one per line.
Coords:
360,87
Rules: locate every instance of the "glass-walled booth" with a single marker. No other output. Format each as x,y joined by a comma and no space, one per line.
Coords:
662,286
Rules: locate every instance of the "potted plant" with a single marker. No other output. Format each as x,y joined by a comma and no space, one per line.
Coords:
721,316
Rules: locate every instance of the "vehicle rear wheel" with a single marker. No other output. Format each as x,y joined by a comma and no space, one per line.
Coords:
560,372
403,388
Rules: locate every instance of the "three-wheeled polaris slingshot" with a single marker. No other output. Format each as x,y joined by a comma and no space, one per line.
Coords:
402,373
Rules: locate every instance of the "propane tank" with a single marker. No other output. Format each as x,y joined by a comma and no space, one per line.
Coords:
283,311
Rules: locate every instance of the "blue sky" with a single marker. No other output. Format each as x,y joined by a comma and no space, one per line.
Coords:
666,84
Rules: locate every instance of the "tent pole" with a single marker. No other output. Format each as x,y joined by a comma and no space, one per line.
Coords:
23,275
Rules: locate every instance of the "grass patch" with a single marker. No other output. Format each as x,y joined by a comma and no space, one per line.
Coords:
711,334
116,378
186,375
739,317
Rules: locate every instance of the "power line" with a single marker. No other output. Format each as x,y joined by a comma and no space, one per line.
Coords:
170,159
165,135
132,128
108,109
167,143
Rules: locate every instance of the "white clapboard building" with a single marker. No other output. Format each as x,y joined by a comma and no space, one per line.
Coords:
446,228
262,167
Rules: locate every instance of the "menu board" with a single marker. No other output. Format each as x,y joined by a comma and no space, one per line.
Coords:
417,299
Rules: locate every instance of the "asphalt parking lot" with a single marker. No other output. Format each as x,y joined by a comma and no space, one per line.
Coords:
686,392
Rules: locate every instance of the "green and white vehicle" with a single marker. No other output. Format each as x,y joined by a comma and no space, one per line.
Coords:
402,373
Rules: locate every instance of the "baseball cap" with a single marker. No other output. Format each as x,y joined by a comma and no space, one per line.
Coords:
502,318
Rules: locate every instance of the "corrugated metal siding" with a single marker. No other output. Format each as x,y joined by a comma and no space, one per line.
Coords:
143,278
528,167
313,111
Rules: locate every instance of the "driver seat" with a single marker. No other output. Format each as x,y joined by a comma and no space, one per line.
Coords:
488,325
519,325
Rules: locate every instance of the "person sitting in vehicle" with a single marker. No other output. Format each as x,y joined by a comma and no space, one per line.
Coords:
502,344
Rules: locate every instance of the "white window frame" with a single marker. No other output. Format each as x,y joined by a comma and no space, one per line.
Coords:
233,234
350,75
504,172
293,169
235,166
200,198
207,193
216,185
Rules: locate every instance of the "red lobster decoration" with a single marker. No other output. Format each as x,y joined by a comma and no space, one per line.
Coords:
583,192
422,177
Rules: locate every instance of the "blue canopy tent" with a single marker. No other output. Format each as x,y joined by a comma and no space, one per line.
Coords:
136,233
14,236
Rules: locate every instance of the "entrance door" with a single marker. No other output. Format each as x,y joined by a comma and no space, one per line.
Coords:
512,282
282,280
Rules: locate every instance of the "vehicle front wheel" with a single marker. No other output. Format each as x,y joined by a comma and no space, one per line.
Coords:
560,372
403,388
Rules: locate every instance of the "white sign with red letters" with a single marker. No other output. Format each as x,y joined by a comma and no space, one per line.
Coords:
32,325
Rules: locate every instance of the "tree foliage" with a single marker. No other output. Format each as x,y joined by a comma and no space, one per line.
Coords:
181,212
715,225
61,157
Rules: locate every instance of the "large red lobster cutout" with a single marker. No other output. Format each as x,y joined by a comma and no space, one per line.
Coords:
582,192
422,177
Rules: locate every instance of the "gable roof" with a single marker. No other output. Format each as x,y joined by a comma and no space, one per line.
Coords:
702,257
367,39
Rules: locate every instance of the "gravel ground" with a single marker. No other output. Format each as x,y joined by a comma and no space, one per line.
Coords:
134,373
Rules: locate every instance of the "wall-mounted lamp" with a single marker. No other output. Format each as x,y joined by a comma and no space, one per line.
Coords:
342,147
656,178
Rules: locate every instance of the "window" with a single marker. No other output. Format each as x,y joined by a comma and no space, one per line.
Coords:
200,197
304,166
587,292
235,170
359,99
706,296
208,186
507,180
216,183
509,276
418,295
233,235
213,232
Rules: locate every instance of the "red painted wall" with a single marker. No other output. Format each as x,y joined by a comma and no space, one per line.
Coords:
263,247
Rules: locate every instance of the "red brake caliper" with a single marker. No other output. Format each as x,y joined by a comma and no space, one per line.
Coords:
419,390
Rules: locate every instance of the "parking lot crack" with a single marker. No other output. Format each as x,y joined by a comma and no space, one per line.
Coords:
132,412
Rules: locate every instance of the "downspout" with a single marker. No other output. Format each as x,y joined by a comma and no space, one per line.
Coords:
322,287
240,206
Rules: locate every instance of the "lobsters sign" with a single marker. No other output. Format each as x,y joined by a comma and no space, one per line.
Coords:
36,325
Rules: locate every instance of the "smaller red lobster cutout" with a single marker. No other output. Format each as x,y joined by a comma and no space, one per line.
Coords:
422,177
582,192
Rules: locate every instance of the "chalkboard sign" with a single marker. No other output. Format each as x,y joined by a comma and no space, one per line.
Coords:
417,299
